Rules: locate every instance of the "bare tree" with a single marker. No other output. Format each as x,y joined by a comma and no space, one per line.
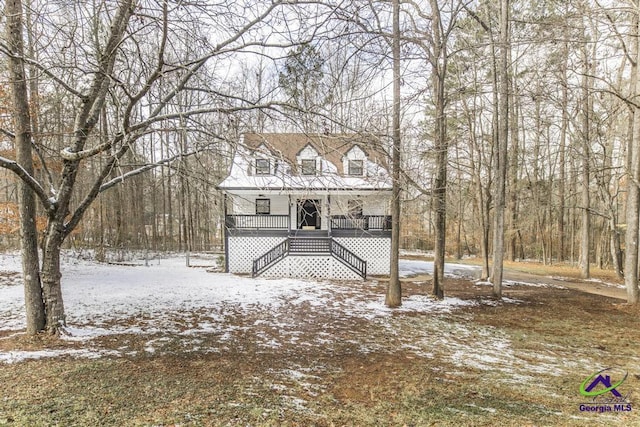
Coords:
633,182
24,166
435,46
502,158
135,82
585,156
394,290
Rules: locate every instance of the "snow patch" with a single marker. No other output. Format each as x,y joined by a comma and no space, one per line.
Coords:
20,356
412,267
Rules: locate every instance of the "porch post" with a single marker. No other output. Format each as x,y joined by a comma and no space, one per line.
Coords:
329,214
226,235
289,222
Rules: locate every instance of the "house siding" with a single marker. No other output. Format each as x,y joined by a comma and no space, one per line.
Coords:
247,204
371,205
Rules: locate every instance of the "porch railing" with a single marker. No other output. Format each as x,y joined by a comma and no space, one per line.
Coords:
270,258
258,222
282,222
348,258
309,246
365,222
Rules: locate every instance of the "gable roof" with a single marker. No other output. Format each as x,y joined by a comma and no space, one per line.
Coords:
332,147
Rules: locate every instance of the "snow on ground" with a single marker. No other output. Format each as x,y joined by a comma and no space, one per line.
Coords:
97,294
600,282
169,304
412,267
104,299
520,283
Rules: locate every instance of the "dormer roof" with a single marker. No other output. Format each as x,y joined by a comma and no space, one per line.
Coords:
332,147
286,148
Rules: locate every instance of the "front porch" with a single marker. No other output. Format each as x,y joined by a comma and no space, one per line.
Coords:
341,236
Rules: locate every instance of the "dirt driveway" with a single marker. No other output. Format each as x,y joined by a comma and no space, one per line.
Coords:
590,286
419,269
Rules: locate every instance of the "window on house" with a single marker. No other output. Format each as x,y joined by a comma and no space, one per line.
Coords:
308,166
263,206
355,208
263,167
355,167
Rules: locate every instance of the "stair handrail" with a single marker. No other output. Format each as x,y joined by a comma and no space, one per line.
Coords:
348,258
274,255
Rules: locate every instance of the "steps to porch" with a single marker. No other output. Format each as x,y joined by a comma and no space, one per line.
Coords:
309,246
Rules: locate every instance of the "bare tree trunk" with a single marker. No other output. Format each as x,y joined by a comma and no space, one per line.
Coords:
34,305
563,142
169,213
460,212
51,275
513,173
501,164
615,248
632,217
633,180
483,203
438,71
585,216
535,183
394,290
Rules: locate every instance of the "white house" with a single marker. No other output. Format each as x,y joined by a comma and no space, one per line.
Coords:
308,205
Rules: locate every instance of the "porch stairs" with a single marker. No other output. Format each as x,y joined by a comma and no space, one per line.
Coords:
309,246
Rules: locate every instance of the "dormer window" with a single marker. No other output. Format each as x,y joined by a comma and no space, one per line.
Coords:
263,167
308,166
356,167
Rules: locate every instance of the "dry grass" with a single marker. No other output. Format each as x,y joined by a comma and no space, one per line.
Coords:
562,269
508,364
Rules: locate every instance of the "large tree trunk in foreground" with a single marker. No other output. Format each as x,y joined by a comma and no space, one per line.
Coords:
501,164
438,70
51,276
22,121
585,227
393,297
633,192
633,205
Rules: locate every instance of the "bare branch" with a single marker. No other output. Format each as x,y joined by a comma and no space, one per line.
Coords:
46,70
14,167
109,184
74,156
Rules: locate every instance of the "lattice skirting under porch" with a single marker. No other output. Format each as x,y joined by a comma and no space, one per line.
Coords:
375,251
243,250
311,267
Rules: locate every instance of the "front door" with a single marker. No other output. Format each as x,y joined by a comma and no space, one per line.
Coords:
308,214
